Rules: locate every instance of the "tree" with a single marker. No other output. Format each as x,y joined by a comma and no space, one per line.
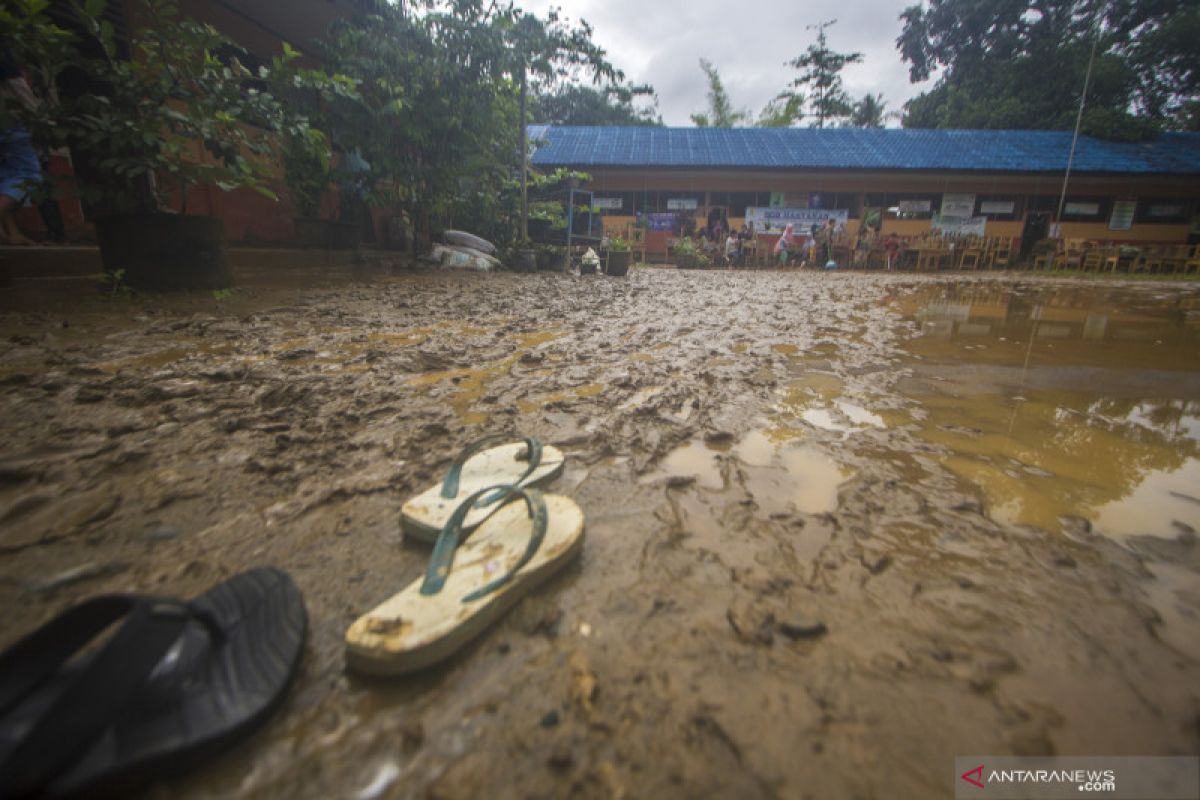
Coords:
869,112
782,112
441,88
1015,64
548,50
574,104
820,73
1160,41
720,112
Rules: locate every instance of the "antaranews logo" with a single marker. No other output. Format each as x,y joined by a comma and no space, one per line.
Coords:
981,776
977,780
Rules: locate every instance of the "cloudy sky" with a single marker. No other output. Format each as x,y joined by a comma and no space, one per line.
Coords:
660,42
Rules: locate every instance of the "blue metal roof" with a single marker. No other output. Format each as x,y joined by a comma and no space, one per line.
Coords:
859,148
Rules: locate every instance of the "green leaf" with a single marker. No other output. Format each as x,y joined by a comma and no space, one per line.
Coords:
94,8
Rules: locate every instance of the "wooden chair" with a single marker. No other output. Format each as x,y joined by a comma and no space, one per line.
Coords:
1111,257
1149,260
1045,259
971,257
1071,255
1192,264
1001,253
1093,259
1175,258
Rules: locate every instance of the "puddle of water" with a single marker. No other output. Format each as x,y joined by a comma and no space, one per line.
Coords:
789,477
825,419
785,349
812,481
814,399
1081,401
859,415
692,460
782,478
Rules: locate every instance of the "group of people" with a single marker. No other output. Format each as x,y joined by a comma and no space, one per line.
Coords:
723,245
815,246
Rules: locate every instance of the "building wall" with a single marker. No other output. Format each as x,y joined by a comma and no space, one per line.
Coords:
797,186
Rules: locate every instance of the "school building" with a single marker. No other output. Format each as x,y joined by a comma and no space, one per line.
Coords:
994,183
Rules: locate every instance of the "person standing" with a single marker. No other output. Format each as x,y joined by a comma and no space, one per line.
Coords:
828,232
892,246
783,246
20,171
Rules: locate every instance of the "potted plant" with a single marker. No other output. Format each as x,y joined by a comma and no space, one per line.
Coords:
551,258
170,117
619,256
688,255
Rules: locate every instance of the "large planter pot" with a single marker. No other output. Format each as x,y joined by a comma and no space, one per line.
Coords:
165,251
526,261
326,234
552,262
687,262
618,262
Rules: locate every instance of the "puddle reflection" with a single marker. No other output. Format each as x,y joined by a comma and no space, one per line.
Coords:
1073,401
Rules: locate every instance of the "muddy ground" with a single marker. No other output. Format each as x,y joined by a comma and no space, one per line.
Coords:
787,588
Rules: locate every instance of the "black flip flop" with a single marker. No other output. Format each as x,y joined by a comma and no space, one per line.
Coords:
175,684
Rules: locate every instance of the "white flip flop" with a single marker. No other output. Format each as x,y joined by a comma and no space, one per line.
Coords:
491,461
524,540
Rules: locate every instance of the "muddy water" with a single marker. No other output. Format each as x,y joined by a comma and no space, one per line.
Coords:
841,528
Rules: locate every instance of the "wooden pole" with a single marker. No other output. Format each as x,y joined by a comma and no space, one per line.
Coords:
524,166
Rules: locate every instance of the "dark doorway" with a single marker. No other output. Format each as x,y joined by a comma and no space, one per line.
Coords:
1037,224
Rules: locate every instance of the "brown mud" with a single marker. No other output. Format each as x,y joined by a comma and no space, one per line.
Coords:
840,528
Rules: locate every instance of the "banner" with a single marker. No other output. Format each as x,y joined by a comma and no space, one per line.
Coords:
957,226
681,204
767,220
609,203
914,206
660,221
961,206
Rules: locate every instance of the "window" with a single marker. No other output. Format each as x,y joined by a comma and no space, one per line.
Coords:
1164,211
1086,209
682,201
998,207
614,204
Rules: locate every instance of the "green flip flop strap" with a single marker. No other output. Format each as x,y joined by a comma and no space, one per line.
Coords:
540,517
454,473
442,558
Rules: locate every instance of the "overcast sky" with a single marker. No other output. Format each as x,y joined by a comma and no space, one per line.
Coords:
660,42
